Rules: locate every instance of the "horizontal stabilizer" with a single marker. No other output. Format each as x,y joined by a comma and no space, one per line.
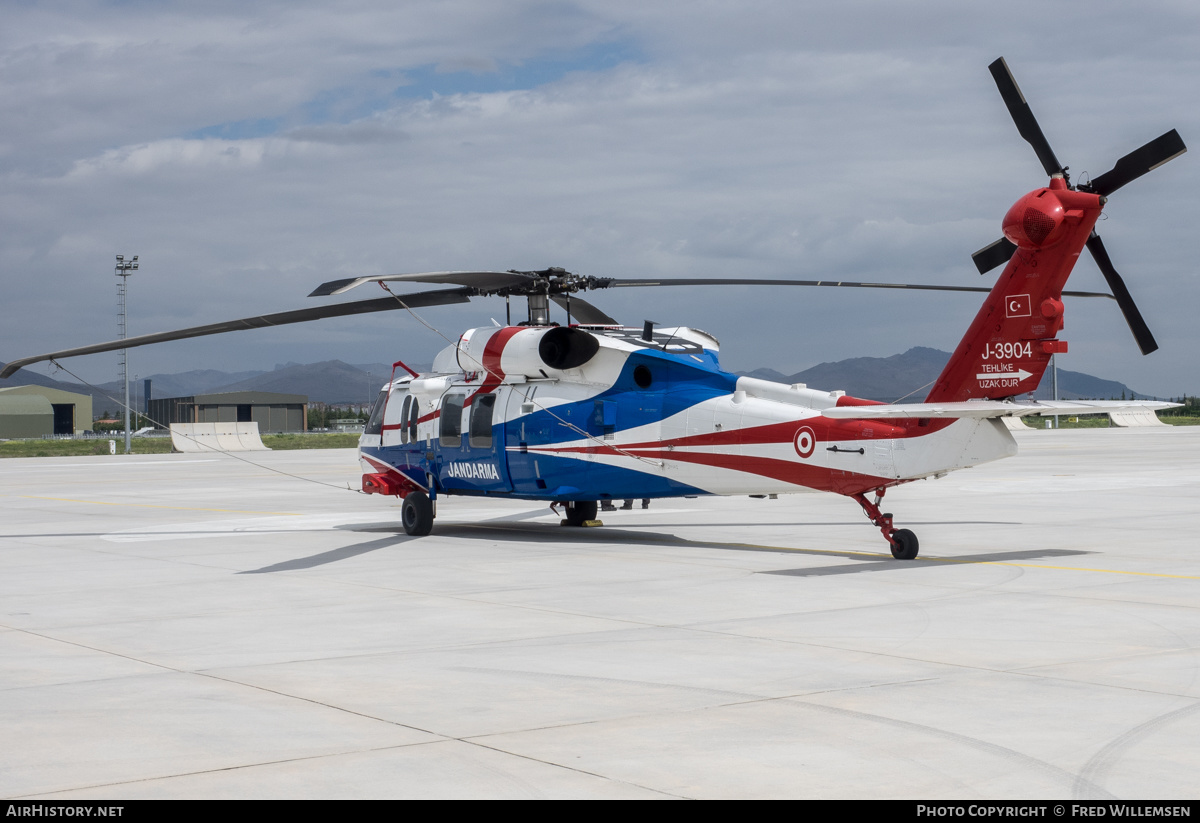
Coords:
979,409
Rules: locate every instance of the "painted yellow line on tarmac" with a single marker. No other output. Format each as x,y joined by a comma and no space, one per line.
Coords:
1061,568
751,546
149,506
968,561
672,540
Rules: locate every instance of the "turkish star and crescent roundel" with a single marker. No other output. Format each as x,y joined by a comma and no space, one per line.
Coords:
806,441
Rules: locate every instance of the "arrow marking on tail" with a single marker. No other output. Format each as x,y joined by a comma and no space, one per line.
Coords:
1019,374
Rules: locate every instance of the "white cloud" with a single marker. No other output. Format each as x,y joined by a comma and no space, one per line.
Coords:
761,140
175,154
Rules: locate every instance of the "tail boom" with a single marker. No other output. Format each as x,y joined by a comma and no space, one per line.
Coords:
1008,346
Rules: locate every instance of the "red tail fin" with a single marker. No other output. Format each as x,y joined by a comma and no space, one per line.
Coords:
1008,346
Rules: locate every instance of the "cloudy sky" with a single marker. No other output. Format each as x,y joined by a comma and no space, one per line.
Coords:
248,152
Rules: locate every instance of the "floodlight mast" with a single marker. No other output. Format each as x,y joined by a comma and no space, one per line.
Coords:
124,268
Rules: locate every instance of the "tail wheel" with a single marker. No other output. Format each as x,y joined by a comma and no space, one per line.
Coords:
580,511
417,514
904,544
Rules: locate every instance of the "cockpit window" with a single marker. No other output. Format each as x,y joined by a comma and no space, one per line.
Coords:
375,422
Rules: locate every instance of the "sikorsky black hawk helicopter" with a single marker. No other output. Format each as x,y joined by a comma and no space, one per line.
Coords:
592,410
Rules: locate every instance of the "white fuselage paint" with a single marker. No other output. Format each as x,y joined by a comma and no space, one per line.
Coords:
715,459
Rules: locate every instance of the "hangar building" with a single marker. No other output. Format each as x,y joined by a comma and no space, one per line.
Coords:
37,411
272,411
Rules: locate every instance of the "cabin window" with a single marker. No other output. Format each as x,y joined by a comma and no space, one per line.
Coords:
404,438
642,376
375,422
450,435
481,421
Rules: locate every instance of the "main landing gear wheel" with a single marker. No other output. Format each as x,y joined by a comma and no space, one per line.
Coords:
580,512
417,514
904,544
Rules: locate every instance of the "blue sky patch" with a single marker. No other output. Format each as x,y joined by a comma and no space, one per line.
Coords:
345,104
425,81
239,129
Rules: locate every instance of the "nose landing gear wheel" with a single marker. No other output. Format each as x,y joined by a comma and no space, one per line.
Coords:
904,544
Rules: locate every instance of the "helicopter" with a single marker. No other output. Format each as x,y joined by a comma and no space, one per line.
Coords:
589,411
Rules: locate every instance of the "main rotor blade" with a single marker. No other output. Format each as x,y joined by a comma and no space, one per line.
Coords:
482,280
1149,157
419,300
833,283
1022,115
1141,332
583,311
996,254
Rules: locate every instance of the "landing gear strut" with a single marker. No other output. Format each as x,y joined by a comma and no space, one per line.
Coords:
903,542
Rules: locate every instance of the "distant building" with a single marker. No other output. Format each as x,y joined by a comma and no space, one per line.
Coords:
272,411
38,411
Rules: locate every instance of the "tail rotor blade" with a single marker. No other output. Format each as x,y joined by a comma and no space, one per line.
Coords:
1022,115
1138,162
1141,332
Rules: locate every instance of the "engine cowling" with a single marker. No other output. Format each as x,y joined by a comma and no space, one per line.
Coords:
531,352
566,348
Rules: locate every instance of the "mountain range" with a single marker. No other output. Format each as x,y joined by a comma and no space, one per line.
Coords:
889,379
909,376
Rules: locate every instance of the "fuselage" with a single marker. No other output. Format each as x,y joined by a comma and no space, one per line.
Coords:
636,419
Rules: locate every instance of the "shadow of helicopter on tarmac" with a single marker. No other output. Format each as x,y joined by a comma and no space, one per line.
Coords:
512,528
